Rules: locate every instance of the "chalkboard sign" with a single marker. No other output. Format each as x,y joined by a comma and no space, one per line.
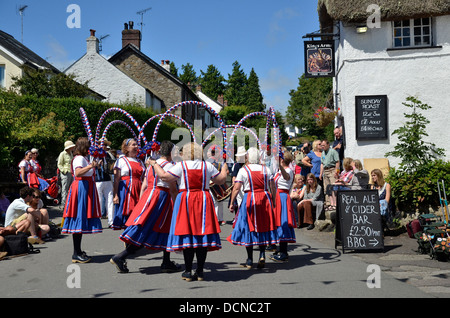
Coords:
358,220
371,117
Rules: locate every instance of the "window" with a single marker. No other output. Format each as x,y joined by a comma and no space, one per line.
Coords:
412,32
2,76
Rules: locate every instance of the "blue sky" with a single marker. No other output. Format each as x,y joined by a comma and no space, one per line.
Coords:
262,34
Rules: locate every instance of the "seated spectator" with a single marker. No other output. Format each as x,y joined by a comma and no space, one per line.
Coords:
297,191
21,216
4,204
297,187
41,217
343,182
384,194
361,178
4,231
311,198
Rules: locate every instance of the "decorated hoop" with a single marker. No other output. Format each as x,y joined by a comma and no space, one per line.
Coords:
199,104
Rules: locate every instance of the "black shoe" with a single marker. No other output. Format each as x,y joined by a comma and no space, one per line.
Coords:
121,264
198,276
248,264
261,263
187,276
310,227
170,267
83,258
281,257
271,248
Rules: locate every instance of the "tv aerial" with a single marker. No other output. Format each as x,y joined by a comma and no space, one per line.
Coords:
100,41
21,11
141,13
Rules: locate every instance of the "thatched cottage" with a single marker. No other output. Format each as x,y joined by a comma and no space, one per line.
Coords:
388,50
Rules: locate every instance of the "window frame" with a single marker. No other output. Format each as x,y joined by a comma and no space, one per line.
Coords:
2,76
410,27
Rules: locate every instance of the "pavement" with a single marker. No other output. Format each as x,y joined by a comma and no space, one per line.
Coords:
316,269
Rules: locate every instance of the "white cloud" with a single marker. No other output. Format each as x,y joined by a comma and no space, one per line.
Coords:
57,55
277,32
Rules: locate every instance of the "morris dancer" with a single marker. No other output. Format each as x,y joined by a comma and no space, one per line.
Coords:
149,223
128,173
194,227
82,210
255,221
284,211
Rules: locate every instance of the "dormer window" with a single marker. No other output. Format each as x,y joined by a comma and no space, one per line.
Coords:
412,33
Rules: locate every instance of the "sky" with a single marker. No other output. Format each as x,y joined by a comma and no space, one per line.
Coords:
265,35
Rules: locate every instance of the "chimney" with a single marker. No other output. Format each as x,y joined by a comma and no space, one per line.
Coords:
130,35
165,64
92,43
220,99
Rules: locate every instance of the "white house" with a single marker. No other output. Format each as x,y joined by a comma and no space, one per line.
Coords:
406,54
14,56
109,81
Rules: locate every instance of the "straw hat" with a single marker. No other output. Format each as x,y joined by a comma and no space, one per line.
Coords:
241,151
68,144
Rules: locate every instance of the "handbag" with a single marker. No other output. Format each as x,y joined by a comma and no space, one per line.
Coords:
18,244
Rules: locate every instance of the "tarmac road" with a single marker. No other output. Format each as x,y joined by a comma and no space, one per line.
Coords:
315,270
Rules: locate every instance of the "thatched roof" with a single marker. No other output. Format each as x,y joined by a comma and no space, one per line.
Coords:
355,10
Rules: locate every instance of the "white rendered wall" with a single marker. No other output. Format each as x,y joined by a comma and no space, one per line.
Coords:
107,80
365,67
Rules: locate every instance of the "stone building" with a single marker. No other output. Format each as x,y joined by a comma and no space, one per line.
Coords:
155,77
108,80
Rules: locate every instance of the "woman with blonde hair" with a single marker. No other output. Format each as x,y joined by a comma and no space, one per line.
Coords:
384,193
194,227
313,159
128,176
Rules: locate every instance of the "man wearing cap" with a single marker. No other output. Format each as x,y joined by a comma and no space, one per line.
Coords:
64,162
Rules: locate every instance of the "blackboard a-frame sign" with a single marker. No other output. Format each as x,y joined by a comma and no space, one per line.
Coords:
358,220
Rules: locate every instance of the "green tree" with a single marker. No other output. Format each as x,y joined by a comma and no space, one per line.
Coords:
254,98
44,83
173,69
188,74
212,82
311,94
236,85
411,148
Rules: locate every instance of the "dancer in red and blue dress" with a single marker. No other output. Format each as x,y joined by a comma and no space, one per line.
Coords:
43,184
149,223
28,173
194,227
284,212
128,175
82,210
254,223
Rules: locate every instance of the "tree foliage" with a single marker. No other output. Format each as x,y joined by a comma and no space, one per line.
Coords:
212,82
411,148
310,94
236,85
188,76
44,83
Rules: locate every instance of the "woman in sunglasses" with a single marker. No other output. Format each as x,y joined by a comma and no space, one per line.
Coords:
41,215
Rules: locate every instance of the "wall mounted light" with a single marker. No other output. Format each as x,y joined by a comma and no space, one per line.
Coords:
361,29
